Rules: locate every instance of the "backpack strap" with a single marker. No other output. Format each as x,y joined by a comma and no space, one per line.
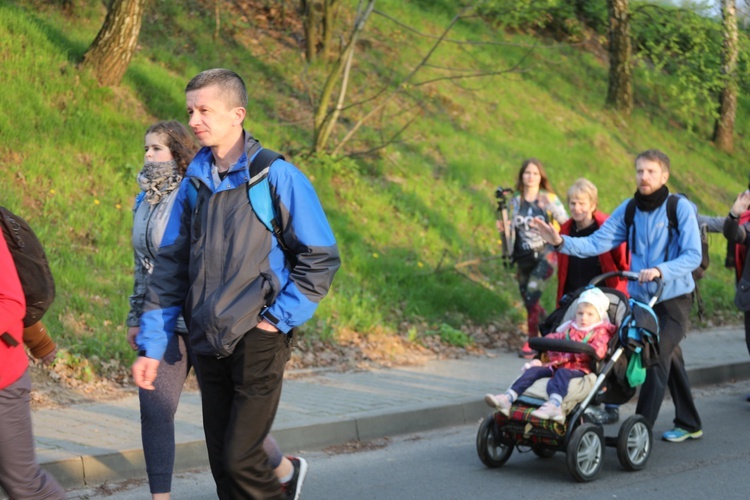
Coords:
629,216
673,225
259,194
672,202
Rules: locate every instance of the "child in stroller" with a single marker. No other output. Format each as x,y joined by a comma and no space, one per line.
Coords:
580,437
591,326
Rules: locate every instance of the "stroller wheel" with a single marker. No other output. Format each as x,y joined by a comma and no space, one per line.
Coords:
634,443
585,453
492,452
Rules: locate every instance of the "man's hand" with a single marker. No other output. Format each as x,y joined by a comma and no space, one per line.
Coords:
132,334
548,233
649,274
499,225
265,325
741,203
144,372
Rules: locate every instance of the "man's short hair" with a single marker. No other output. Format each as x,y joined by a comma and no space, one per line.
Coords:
654,155
231,85
584,187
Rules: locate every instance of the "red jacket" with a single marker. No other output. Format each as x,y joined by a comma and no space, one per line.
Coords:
614,260
13,360
599,340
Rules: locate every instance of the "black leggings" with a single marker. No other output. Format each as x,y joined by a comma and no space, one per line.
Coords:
531,284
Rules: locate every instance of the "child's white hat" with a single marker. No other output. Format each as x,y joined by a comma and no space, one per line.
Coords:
596,298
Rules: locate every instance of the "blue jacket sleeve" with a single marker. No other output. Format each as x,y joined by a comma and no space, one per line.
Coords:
309,236
169,281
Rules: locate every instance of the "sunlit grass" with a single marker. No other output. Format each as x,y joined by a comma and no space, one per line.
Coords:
414,221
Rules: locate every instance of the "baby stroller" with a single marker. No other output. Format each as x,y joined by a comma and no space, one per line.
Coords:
580,437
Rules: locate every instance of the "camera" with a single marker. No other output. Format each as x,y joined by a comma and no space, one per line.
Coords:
501,192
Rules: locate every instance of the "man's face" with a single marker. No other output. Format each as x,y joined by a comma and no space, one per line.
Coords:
650,176
212,121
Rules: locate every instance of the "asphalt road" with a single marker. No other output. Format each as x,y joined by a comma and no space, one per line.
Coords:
443,464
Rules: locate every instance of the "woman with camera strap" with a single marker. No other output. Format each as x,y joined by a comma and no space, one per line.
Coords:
535,260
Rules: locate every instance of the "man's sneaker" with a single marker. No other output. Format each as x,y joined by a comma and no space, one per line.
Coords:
678,435
596,414
612,414
526,352
500,401
292,488
549,411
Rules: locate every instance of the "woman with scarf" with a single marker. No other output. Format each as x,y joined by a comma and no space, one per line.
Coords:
169,148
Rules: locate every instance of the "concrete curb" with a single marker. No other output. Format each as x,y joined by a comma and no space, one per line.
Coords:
90,470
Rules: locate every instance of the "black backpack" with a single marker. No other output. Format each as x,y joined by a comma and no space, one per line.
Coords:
672,201
31,264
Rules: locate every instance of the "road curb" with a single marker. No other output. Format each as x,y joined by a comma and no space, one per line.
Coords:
89,470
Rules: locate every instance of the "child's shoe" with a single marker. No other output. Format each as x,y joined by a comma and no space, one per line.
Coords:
499,401
549,411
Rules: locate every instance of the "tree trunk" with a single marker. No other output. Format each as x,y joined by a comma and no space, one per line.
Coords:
620,90
724,127
110,53
308,22
329,18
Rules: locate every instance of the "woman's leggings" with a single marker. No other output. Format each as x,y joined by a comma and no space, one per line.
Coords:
158,408
531,284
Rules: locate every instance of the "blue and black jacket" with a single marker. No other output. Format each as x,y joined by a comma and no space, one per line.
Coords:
653,237
227,269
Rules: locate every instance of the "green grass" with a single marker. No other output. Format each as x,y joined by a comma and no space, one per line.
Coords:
404,216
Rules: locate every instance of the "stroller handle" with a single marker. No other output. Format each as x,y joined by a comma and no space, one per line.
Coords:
630,276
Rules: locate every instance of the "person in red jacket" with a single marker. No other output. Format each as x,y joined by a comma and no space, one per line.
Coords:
20,474
575,272
585,218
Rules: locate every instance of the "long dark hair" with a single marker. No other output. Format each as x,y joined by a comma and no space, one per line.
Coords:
543,184
179,141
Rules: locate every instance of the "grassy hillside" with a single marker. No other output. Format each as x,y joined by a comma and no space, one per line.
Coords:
404,216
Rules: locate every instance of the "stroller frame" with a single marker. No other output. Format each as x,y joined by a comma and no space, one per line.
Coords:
581,439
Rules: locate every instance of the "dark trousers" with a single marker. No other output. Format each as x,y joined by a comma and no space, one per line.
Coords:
20,475
531,283
747,331
558,384
240,395
669,371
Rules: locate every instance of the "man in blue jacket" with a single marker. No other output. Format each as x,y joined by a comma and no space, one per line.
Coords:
242,290
656,252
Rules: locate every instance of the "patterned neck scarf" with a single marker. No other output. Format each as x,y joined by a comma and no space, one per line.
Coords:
158,179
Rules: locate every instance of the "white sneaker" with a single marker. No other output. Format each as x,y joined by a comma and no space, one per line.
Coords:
499,401
549,411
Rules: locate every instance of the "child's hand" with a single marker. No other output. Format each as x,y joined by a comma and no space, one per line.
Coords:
533,362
